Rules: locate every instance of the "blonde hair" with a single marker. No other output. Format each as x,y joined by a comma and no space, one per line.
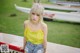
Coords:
38,9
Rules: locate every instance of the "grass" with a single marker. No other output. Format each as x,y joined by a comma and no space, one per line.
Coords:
64,33
58,32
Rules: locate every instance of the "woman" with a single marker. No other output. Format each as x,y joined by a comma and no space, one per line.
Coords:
35,31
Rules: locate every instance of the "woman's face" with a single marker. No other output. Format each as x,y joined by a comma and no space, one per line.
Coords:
35,17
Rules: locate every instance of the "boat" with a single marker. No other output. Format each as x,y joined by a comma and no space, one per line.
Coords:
10,43
55,15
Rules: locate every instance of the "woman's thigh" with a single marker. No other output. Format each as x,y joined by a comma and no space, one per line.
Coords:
28,48
38,49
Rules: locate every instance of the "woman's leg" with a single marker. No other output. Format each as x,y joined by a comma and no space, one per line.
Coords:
29,48
38,49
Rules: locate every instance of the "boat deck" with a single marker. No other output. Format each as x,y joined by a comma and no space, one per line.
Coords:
17,42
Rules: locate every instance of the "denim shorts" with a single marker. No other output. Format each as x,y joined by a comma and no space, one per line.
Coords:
34,48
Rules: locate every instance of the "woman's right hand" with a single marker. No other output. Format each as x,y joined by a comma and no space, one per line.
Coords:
44,50
21,48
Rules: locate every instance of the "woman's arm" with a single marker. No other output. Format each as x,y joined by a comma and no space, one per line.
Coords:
24,44
45,30
24,40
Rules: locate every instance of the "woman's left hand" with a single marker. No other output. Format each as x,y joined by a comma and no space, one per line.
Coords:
44,50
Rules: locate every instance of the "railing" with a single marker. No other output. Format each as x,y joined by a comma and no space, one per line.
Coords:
12,48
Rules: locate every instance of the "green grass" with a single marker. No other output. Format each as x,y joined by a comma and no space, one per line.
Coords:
58,32
64,33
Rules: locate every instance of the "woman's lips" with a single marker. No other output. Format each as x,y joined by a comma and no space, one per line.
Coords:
34,19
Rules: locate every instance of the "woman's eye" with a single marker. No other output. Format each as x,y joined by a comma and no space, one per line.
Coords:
33,13
38,15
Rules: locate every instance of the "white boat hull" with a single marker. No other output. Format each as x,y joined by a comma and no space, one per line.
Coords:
70,17
15,42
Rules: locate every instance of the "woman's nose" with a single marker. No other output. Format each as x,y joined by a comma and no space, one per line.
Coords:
35,16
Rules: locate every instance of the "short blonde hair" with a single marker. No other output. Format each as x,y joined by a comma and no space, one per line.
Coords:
38,9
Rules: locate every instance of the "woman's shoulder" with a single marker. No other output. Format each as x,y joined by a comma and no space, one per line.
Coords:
26,22
44,25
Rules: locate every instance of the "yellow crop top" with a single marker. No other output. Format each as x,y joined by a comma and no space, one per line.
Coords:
36,37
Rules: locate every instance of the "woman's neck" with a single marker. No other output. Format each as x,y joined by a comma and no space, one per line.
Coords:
35,23
34,26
